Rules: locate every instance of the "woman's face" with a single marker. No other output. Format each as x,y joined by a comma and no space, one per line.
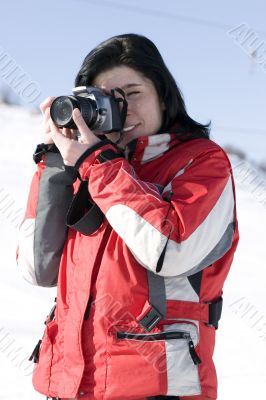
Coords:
144,114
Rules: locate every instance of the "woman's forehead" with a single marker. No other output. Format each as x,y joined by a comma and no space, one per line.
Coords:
121,76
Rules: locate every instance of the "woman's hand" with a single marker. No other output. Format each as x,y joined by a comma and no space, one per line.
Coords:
45,109
69,148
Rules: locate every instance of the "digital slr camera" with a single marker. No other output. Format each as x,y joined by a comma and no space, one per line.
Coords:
101,112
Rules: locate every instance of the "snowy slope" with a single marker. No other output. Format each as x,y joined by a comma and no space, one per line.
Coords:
241,339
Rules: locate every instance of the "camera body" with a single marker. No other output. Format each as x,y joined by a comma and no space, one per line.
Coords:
102,113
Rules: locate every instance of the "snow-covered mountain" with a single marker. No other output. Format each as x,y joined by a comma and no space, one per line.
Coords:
241,339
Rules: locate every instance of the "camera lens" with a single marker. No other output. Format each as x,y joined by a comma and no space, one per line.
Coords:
61,111
63,106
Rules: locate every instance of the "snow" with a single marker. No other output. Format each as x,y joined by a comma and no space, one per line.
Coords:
241,338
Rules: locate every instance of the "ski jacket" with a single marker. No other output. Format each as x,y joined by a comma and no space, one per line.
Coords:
136,311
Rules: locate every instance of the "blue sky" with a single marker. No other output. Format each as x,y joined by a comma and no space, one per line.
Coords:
219,80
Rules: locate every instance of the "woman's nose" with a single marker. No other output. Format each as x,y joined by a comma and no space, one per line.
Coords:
129,108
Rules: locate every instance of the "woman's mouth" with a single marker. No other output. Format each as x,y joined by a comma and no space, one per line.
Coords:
124,133
129,128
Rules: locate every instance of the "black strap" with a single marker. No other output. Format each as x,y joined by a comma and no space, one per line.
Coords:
108,155
84,215
90,150
53,398
43,148
157,291
123,112
157,303
215,312
161,258
150,319
163,398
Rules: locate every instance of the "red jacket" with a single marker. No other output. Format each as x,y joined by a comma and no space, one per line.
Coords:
132,317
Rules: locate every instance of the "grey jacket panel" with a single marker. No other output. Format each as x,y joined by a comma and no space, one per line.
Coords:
54,198
217,252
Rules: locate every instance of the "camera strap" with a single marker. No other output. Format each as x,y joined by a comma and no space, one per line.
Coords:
121,100
84,215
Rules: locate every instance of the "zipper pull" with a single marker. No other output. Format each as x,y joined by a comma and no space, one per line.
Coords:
35,354
193,353
50,316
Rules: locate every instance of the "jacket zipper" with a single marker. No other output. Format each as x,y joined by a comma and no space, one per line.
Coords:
163,336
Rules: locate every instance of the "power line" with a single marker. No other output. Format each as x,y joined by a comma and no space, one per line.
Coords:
249,131
184,19
156,13
162,14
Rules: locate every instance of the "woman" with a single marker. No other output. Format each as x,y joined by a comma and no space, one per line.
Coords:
139,295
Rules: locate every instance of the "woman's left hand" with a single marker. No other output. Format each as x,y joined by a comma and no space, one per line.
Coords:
71,149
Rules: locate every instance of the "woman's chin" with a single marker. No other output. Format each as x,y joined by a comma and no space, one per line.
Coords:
113,136
122,139
127,137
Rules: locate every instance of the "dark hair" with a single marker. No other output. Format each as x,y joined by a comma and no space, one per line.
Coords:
141,54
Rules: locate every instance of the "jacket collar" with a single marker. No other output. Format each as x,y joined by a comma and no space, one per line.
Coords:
147,148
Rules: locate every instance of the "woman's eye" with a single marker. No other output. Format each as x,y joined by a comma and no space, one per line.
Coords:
132,93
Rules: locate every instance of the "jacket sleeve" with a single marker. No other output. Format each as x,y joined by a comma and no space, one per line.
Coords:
179,232
43,231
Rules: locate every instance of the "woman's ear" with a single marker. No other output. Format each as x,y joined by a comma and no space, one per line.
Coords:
163,108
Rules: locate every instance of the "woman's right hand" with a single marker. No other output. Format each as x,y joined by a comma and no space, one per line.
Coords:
45,109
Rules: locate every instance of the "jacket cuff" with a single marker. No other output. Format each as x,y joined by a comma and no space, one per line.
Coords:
99,153
91,150
42,149
107,155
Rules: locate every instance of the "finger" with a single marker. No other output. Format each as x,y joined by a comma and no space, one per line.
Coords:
47,113
47,102
57,136
67,132
46,119
85,132
75,134
48,139
53,127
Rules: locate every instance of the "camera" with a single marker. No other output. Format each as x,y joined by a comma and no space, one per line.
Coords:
101,112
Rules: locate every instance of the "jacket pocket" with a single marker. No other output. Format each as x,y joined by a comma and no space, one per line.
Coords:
42,369
147,364
182,360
